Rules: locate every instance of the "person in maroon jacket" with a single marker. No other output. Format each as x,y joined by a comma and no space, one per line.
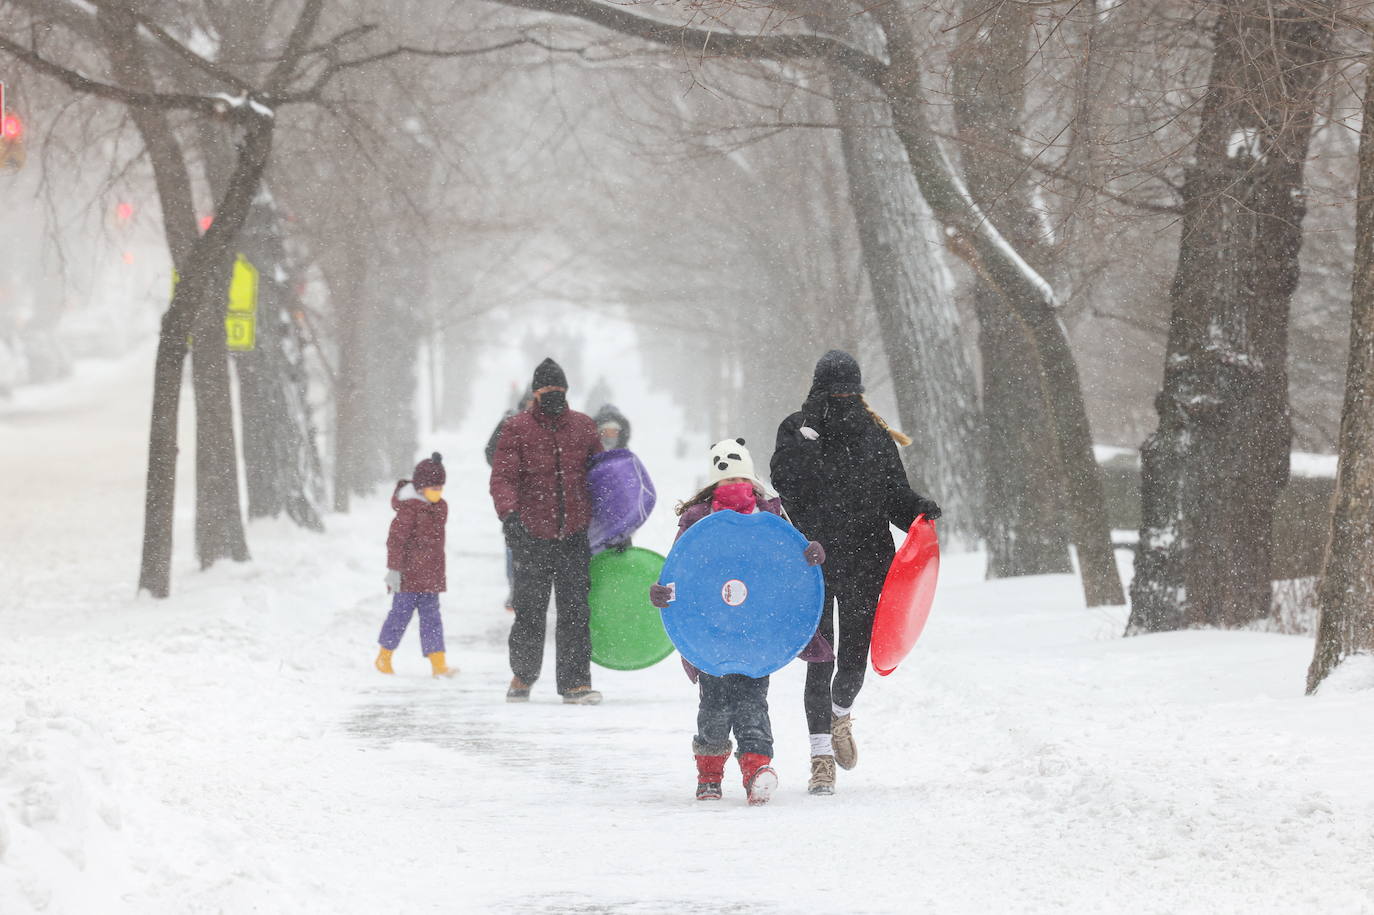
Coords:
539,488
415,564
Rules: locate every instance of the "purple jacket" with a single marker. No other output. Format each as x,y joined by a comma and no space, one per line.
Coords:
415,543
702,509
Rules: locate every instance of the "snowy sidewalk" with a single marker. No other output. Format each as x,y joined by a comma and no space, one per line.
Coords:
232,750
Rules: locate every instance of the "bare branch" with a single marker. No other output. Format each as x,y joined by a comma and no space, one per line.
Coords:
160,100
705,43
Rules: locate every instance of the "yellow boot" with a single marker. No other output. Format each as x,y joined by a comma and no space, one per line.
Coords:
441,668
384,661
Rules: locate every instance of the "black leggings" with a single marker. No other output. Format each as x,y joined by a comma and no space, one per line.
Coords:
854,587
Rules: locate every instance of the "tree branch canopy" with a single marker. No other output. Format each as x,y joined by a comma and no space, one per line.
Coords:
711,43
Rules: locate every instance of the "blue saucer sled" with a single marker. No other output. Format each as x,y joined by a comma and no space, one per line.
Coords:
746,601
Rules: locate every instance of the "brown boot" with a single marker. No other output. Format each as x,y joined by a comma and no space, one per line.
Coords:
842,738
822,775
519,691
582,695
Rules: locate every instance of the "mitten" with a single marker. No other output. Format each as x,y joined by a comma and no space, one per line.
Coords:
929,508
814,554
661,595
393,581
512,528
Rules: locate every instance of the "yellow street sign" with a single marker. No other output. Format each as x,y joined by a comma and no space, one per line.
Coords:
241,332
243,287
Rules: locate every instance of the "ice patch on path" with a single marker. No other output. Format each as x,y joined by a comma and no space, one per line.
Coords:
61,846
1354,675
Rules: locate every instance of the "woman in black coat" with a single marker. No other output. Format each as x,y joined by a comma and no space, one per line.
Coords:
841,480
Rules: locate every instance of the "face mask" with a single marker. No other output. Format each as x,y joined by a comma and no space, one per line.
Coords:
553,402
738,497
433,493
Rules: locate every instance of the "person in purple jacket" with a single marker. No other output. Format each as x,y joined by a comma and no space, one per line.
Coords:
732,703
416,574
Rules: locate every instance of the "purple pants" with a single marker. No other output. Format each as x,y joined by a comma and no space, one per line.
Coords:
403,605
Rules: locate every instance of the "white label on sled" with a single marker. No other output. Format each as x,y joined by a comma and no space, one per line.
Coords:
734,592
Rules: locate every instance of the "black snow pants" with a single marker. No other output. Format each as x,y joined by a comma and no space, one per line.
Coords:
736,703
560,565
852,586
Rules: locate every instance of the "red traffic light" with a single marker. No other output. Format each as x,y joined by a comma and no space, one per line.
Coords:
11,128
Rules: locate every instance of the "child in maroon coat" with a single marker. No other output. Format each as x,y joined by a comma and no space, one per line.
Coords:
415,564
732,703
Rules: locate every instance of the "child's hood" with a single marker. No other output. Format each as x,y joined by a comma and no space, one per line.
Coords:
406,492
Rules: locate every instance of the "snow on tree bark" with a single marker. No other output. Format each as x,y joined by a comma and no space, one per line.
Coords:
1213,468
1345,593
926,355
972,233
1024,505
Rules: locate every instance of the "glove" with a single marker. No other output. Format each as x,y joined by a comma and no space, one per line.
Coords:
813,417
393,581
814,554
619,546
929,508
662,595
513,530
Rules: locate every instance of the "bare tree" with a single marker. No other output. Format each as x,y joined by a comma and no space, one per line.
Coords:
1346,591
1213,469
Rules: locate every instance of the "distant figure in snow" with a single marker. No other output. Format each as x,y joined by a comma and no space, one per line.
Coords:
539,489
614,431
415,574
526,398
733,703
612,427
842,482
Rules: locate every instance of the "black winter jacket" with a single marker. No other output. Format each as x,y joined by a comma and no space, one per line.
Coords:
845,488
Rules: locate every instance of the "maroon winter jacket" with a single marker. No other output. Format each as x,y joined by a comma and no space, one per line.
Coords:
415,543
540,470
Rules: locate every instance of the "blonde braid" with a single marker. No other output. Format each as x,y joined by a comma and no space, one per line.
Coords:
900,438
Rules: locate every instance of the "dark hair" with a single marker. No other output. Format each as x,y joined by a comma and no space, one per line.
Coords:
704,497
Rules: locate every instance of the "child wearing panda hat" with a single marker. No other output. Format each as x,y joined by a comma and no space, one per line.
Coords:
732,703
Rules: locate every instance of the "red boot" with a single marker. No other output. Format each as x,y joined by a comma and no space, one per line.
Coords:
710,772
759,777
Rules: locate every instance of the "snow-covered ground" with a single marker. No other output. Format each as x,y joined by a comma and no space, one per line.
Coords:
232,750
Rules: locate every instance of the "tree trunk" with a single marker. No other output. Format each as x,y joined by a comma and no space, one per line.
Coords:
1024,510
932,376
348,290
280,461
975,237
219,520
173,183
1213,469
1345,593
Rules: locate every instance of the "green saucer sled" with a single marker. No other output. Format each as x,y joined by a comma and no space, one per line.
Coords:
627,630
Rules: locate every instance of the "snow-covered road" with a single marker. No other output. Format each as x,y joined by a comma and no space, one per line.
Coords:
231,749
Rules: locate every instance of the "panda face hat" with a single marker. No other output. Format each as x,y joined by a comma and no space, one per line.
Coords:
729,458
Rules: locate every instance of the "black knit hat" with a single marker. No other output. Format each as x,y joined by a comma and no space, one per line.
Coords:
429,472
549,374
837,372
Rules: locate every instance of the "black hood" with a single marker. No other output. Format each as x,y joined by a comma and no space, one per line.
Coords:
837,372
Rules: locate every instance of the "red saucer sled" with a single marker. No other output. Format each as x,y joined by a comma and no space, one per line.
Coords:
908,590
